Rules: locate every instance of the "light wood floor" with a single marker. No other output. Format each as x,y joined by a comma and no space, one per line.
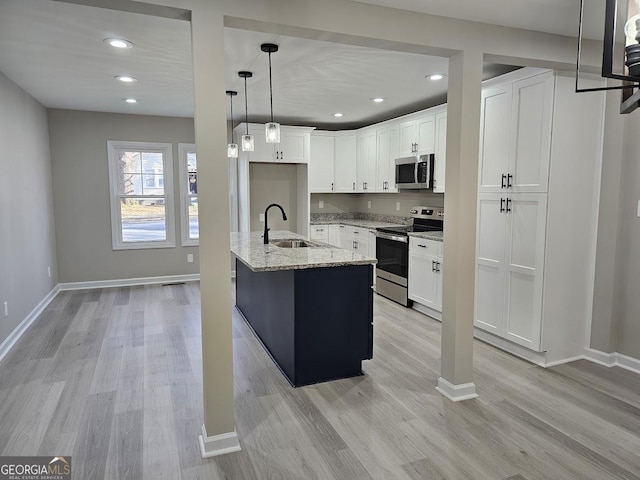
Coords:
113,378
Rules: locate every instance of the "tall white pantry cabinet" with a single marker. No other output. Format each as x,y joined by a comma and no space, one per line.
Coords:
538,182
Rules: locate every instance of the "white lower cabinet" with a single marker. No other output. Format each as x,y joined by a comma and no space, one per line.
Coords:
510,253
425,272
319,233
334,235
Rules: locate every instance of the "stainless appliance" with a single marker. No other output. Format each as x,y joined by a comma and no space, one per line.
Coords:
392,252
415,172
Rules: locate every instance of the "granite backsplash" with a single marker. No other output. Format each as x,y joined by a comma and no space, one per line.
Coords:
319,218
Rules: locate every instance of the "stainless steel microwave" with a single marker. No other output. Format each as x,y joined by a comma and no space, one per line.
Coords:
415,172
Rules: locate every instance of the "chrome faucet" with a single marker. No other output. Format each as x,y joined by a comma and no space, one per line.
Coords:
266,228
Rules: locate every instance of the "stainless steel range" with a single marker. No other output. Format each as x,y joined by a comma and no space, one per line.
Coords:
392,252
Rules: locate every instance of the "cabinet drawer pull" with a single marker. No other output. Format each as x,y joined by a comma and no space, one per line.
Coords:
437,266
433,265
423,246
508,203
501,205
502,185
354,185
509,177
331,186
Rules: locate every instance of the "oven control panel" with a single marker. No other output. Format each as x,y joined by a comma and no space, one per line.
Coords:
427,212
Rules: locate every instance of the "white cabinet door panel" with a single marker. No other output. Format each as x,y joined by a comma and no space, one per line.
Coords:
262,151
531,121
495,131
426,135
525,262
292,147
422,281
441,153
408,138
334,235
345,163
490,269
321,164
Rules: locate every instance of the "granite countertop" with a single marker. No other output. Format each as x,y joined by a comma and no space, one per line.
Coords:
357,223
250,250
437,236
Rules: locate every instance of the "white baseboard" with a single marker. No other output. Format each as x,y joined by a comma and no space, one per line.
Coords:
17,332
601,358
429,312
218,444
129,282
456,393
612,360
538,358
560,362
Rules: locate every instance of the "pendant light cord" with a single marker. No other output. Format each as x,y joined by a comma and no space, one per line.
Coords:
246,106
270,88
231,102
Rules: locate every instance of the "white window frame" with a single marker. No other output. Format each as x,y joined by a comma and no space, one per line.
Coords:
114,196
183,150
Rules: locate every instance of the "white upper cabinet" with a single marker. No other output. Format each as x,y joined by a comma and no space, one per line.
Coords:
515,136
388,138
441,152
345,148
495,127
417,137
321,163
294,146
366,164
408,138
531,115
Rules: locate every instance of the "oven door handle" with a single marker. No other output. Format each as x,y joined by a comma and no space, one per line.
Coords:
395,238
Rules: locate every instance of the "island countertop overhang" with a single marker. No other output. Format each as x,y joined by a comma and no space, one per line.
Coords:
248,247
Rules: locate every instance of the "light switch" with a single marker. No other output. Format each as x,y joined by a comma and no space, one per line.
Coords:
398,206
321,204
369,204
189,257
262,217
638,208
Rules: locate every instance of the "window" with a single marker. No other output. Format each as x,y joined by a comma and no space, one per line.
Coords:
189,193
140,181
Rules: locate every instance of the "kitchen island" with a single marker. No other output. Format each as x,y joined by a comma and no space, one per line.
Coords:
310,306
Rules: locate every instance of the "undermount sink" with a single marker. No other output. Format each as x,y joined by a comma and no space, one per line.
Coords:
292,243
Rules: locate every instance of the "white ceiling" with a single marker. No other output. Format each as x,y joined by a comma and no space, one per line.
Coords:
55,51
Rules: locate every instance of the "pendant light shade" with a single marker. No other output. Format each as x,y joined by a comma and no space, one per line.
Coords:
247,140
232,148
271,129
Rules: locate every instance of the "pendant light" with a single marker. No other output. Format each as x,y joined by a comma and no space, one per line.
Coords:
247,140
232,148
271,129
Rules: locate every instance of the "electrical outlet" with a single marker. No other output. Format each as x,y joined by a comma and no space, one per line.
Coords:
262,217
398,206
6,309
321,204
369,204
638,208
49,271
189,257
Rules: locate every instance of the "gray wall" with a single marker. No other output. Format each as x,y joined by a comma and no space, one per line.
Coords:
81,195
627,302
381,203
27,238
273,183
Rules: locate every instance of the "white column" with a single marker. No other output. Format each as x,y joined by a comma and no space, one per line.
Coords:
463,127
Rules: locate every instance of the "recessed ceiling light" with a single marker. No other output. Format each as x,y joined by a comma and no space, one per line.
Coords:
338,114
130,100
125,78
377,100
118,42
435,76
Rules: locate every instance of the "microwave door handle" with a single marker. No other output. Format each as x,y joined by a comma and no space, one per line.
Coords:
415,172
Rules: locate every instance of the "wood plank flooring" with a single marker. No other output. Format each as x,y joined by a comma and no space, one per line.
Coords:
113,378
